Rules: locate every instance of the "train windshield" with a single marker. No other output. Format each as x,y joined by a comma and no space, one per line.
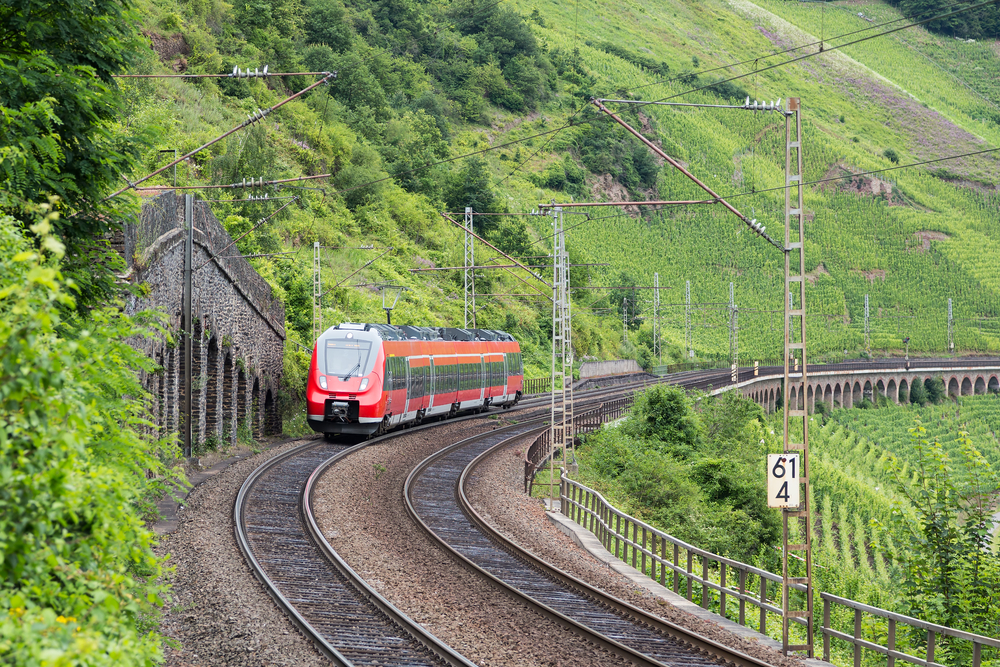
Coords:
347,357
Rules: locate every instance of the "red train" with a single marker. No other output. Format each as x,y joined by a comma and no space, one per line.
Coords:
367,378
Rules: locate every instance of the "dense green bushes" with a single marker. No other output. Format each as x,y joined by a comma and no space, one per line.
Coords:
78,579
691,472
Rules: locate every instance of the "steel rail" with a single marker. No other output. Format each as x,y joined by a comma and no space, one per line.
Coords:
607,644
444,652
243,540
718,651
312,536
671,634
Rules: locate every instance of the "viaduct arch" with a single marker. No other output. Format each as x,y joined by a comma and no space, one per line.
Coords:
848,387
238,333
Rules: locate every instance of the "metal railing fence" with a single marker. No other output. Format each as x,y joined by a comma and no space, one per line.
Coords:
539,450
722,585
929,635
728,587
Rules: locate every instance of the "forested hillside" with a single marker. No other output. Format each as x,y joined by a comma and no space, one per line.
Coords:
440,106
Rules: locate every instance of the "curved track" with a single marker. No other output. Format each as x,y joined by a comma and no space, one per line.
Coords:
436,500
353,625
347,621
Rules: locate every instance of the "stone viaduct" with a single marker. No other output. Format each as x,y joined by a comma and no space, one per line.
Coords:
847,385
238,334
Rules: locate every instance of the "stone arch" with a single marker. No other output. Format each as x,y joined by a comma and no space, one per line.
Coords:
857,395
214,385
828,396
256,410
966,386
980,386
197,384
838,396
272,420
242,403
228,400
892,391
993,386
770,400
880,388
904,391
953,389
171,395
793,398
809,400
866,392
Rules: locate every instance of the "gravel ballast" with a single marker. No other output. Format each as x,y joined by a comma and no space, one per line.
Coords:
220,614
359,508
496,492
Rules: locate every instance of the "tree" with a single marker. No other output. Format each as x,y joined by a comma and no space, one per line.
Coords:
472,186
934,388
951,573
664,413
59,101
918,394
59,136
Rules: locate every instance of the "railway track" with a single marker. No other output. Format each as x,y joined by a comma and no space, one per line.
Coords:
435,496
345,618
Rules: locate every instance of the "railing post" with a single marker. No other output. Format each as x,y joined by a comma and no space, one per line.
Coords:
690,579
743,592
644,550
704,582
930,646
677,563
722,591
977,654
762,629
826,636
857,635
891,644
635,541
618,534
663,562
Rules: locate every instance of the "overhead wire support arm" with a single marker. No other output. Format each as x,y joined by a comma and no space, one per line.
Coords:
752,224
237,73
244,234
243,184
365,266
257,116
496,249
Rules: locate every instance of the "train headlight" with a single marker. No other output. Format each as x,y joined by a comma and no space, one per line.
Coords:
364,385
322,381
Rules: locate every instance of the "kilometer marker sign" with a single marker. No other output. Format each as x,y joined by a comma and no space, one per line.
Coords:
783,480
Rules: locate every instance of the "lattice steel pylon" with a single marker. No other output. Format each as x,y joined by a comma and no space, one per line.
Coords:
868,331
470,264
656,319
317,294
734,336
562,354
795,344
951,329
688,343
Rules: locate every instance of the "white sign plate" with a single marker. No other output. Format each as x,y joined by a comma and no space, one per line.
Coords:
783,472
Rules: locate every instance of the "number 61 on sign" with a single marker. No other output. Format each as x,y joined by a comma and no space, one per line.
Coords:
783,480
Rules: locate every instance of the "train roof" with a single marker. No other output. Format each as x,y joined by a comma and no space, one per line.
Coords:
408,332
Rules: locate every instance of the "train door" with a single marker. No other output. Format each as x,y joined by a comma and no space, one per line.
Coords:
483,378
432,380
506,373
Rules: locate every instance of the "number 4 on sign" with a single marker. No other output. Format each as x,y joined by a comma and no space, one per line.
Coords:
782,480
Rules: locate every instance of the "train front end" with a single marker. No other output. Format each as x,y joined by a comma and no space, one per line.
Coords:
344,389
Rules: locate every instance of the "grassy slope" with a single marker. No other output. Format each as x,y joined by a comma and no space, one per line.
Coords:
855,107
